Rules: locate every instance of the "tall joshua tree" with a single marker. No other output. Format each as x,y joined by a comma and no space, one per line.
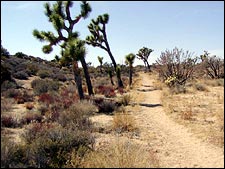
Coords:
98,38
129,60
59,15
100,59
143,54
73,52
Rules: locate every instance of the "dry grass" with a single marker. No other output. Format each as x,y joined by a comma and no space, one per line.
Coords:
6,104
121,154
123,122
125,99
201,110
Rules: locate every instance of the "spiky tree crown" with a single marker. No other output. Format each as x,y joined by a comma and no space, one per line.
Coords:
58,14
129,59
144,53
97,29
100,59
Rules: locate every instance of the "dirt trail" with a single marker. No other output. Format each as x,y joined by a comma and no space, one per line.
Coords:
174,144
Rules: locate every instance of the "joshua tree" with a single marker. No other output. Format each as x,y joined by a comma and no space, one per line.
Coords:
143,54
59,15
98,38
129,61
100,59
109,71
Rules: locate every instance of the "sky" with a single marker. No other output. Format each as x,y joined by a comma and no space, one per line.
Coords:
160,25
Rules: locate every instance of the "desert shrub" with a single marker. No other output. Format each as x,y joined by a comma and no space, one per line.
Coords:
121,90
125,99
121,154
4,51
214,82
22,75
8,121
44,73
12,154
50,144
6,104
8,85
177,89
213,65
32,68
43,108
176,66
60,77
107,91
123,122
29,106
46,98
5,73
31,117
200,87
27,96
12,93
106,106
44,85
77,116
20,55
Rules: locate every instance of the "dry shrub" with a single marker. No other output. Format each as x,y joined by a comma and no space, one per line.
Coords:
121,154
12,154
122,122
187,115
49,145
125,99
220,118
214,82
200,87
31,117
6,104
8,121
77,116
29,106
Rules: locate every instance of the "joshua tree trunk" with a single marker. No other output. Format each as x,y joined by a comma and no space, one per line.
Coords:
120,83
130,76
78,80
87,77
148,66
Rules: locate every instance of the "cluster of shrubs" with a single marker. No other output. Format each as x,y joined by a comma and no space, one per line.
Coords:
20,96
52,138
107,91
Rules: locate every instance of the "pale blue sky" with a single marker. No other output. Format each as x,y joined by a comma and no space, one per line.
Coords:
192,25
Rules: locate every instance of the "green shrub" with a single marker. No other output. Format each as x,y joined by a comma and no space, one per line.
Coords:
44,85
44,73
12,93
8,85
33,68
76,116
60,77
22,75
5,74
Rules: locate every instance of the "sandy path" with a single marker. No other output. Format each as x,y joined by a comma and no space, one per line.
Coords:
174,144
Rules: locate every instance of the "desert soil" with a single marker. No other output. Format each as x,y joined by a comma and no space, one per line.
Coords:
174,145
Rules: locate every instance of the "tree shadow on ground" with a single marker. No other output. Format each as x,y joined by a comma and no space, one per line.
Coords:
149,105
